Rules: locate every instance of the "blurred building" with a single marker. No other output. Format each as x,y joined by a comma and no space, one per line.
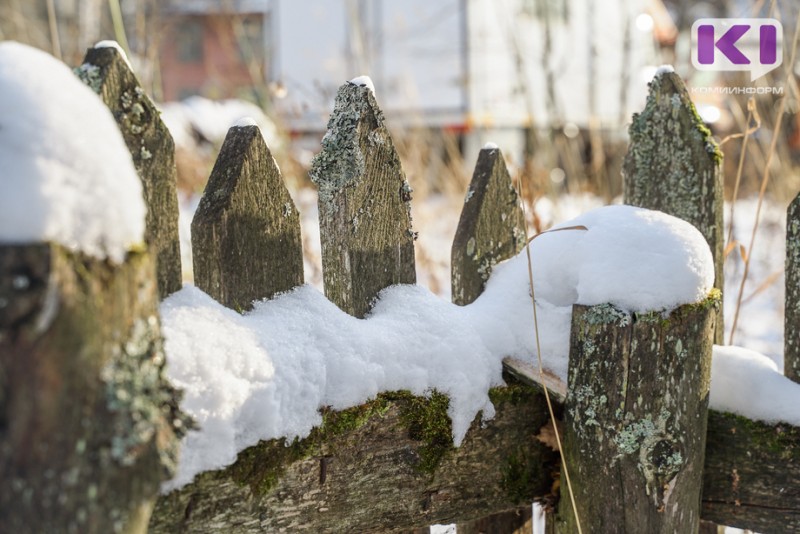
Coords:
486,69
217,49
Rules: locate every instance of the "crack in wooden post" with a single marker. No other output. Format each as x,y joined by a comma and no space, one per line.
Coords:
246,242
153,153
491,228
364,205
674,165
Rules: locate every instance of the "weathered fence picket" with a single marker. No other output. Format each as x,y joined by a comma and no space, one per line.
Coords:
108,73
364,204
791,323
246,242
89,426
491,228
635,418
673,165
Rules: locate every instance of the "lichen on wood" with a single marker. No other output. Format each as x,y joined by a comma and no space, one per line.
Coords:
791,342
673,165
152,151
635,418
89,425
246,242
491,228
364,205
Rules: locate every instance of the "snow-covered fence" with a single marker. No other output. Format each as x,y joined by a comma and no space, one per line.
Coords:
491,228
89,426
106,70
673,165
364,210
246,232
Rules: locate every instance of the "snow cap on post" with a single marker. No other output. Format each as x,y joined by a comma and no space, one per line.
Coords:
364,204
67,175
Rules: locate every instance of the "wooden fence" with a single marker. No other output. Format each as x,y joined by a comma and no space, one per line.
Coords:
82,450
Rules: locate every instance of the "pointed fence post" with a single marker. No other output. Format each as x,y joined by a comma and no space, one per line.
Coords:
635,418
246,242
108,73
90,425
491,228
673,165
364,205
791,340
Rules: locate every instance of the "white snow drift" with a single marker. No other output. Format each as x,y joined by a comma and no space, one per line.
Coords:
265,374
66,173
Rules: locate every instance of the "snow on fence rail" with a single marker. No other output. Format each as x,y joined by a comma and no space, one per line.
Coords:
89,425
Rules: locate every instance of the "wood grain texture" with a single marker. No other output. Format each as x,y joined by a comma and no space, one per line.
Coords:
791,339
246,242
751,474
89,426
372,458
635,418
153,153
386,466
491,228
674,165
364,205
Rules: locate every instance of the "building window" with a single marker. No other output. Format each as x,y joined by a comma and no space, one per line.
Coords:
190,41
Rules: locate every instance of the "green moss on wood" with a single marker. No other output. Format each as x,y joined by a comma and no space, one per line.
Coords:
520,475
261,466
778,439
427,421
673,165
514,393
